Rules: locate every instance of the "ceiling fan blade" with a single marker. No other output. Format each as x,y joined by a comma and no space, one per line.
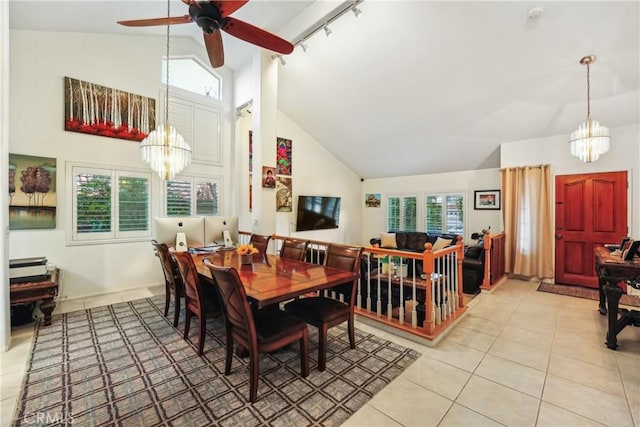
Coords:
257,36
156,21
227,7
213,42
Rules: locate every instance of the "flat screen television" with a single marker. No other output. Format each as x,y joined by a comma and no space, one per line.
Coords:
317,213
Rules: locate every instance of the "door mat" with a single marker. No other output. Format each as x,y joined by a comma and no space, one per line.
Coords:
581,292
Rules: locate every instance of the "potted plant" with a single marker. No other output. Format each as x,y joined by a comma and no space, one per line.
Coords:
246,253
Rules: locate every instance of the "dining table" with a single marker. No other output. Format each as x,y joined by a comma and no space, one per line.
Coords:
270,279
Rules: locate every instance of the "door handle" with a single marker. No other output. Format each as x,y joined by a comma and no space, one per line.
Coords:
558,236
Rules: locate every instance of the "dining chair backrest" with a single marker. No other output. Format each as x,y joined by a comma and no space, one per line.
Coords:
345,258
189,274
294,249
169,266
238,313
261,243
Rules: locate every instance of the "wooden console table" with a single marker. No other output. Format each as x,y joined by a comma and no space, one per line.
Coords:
612,270
45,290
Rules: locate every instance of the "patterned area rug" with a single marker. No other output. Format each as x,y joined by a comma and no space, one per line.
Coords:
581,292
125,364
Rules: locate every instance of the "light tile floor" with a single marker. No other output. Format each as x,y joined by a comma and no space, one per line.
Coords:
518,358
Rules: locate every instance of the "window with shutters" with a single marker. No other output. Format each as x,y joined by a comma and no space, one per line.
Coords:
444,213
402,213
186,196
109,205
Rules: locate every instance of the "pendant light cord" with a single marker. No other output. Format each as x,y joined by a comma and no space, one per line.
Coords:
588,93
166,102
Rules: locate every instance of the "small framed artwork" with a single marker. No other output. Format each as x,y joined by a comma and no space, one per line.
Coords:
486,200
268,177
372,200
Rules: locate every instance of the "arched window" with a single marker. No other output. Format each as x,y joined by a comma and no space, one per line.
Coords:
190,74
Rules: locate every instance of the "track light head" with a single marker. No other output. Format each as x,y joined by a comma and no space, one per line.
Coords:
327,30
282,60
357,12
304,47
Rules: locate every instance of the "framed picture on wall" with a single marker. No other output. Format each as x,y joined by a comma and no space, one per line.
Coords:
372,200
486,200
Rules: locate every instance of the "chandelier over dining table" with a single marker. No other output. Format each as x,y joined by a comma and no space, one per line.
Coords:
165,150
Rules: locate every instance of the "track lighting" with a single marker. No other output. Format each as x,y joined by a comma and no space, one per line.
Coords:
327,30
355,10
282,60
304,47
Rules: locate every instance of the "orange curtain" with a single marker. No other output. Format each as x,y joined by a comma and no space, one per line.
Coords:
526,210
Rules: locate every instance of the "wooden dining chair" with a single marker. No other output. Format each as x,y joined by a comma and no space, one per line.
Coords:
259,331
325,313
201,300
294,249
261,243
172,280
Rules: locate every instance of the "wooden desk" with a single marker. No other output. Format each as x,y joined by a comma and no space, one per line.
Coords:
612,270
271,279
45,290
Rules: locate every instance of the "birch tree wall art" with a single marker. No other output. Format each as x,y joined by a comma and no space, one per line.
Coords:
99,110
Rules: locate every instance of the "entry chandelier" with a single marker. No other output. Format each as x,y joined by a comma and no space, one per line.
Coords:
164,149
590,140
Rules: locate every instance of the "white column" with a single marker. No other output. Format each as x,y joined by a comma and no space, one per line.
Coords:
5,322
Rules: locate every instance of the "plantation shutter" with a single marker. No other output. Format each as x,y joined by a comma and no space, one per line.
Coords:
93,203
409,216
393,213
206,198
133,203
433,215
455,214
178,198
444,213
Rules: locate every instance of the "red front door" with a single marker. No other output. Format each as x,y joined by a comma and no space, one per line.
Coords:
591,210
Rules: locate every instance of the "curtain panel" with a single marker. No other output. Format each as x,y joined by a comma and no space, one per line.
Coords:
527,210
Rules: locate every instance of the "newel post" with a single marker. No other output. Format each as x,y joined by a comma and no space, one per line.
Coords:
486,282
460,249
427,267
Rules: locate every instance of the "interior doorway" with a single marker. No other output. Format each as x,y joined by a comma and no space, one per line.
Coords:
591,210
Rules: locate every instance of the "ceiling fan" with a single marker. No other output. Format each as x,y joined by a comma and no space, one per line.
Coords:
213,16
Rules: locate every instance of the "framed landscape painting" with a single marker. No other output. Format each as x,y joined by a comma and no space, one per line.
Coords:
32,192
486,200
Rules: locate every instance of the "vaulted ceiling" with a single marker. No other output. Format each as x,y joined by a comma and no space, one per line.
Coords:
417,87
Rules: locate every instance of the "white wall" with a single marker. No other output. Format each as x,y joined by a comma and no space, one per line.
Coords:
316,172
624,155
38,64
374,220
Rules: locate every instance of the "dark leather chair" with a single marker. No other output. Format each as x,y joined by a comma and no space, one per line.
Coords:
201,300
172,280
261,243
259,331
323,312
294,249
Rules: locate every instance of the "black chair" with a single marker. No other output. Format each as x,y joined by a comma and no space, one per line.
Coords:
172,280
201,300
260,331
261,243
323,312
294,249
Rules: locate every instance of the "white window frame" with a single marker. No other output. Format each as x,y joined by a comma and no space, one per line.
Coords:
113,236
194,180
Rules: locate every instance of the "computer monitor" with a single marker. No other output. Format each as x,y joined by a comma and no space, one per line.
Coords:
214,226
164,230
